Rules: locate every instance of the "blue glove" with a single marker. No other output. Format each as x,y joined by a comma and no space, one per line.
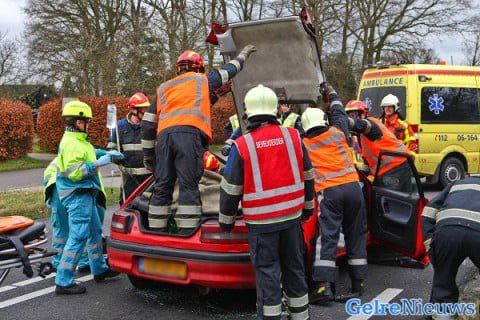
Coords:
116,154
103,160
100,152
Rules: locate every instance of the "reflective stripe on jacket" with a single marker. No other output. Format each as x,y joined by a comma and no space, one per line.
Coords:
388,142
184,101
273,188
234,122
331,158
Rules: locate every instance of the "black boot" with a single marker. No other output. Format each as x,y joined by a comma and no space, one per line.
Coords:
73,289
358,287
109,273
324,292
84,269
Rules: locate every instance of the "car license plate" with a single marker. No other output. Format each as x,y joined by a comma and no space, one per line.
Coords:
164,268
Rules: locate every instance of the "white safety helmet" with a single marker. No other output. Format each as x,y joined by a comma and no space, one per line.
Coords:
390,100
261,101
313,117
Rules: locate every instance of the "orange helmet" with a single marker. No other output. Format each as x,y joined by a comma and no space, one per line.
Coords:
356,105
190,61
138,100
210,162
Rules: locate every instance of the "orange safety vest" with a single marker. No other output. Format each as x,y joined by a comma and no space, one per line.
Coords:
388,142
331,158
184,101
273,186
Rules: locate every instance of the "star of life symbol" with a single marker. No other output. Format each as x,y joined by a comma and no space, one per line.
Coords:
436,104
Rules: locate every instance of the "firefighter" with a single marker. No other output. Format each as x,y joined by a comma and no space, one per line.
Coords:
394,122
357,109
290,119
451,231
232,125
130,136
79,187
340,198
273,204
179,120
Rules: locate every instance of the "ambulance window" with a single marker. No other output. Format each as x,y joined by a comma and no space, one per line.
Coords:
373,97
450,105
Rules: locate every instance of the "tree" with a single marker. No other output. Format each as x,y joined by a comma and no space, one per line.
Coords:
10,67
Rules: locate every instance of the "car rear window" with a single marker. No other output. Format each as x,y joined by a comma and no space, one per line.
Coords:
450,105
373,97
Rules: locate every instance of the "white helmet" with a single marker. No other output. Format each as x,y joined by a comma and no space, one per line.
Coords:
390,100
313,117
261,101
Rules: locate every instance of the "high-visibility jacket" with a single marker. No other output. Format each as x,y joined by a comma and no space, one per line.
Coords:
270,197
185,101
290,120
76,160
331,158
401,129
49,179
388,142
234,122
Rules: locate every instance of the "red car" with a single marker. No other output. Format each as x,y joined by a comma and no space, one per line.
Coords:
211,258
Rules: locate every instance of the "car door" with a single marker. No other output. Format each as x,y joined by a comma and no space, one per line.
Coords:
397,202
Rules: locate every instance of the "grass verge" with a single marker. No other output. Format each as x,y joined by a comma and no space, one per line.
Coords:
29,203
22,164
36,145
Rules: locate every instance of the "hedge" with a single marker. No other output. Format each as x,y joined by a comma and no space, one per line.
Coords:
50,125
16,129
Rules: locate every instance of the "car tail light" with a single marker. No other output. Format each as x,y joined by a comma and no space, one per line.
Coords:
211,233
415,135
121,221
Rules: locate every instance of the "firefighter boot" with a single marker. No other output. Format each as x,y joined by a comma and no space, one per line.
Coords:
358,287
324,292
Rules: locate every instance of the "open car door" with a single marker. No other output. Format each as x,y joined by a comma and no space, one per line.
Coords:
397,205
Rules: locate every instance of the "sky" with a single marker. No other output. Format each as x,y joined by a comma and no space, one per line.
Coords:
12,20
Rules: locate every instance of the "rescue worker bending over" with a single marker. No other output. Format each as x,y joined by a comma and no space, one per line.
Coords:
272,204
130,136
394,122
451,231
79,188
340,198
357,110
290,119
176,132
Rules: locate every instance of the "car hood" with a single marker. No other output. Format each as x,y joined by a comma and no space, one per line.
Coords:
287,59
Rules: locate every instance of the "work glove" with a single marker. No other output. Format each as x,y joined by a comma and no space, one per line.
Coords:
326,90
103,160
149,163
227,147
246,52
116,155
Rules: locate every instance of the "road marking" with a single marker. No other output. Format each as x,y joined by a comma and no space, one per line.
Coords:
36,294
25,282
386,296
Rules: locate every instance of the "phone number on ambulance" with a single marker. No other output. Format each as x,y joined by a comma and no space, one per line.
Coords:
460,137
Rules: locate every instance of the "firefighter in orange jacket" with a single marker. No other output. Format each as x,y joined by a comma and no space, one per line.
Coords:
394,122
340,198
273,204
176,131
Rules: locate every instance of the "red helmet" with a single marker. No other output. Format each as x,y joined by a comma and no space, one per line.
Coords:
138,100
190,61
210,162
356,105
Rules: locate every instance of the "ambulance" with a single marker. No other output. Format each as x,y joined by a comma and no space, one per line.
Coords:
441,102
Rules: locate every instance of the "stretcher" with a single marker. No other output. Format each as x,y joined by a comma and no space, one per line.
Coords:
21,245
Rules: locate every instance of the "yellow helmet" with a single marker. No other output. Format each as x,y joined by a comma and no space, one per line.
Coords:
261,101
77,109
313,117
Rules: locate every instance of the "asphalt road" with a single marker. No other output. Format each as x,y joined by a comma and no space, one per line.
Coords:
22,298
